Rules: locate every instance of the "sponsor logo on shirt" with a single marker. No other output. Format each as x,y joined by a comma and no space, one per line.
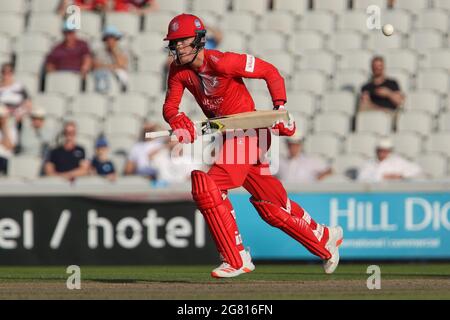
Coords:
250,64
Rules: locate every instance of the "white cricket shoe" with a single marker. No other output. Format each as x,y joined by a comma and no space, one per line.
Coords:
336,236
227,271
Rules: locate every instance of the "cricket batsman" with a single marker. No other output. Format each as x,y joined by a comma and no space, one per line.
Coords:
215,80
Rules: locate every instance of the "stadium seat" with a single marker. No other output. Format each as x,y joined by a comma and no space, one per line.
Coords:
5,44
350,80
282,22
87,125
310,80
444,122
124,124
135,104
434,165
403,59
426,40
283,61
361,143
67,83
92,104
355,60
363,4
120,144
302,41
262,100
442,4
234,41
439,142
377,122
408,144
127,23
324,61
157,22
321,21
173,6
415,121
401,76
348,164
341,101
27,167
148,42
423,100
12,25
344,41
401,19
297,7
219,7
242,22
301,101
16,6
257,7
415,6
336,6
353,21
324,144
30,81
91,24
45,6
30,62
119,161
134,181
53,104
5,57
438,59
49,23
267,42
433,19
302,122
379,43
154,62
146,83
51,181
434,79
333,122
32,43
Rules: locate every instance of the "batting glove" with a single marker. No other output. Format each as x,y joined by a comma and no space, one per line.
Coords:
183,128
281,128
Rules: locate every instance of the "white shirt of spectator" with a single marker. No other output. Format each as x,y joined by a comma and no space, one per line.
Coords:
5,153
174,170
139,154
375,170
301,169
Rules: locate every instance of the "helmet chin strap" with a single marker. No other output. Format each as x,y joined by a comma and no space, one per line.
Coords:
177,58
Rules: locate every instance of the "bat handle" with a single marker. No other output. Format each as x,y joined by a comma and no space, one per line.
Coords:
158,134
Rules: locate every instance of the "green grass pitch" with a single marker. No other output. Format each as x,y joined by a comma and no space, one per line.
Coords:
293,281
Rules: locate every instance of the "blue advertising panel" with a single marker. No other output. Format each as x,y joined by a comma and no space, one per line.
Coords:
379,225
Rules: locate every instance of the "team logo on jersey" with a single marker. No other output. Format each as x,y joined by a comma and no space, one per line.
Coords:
175,26
197,23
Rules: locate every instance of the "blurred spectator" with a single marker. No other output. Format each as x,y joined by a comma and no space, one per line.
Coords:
141,158
67,160
301,168
8,139
13,93
89,5
110,61
173,165
101,164
388,166
380,93
72,54
140,7
36,138
213,37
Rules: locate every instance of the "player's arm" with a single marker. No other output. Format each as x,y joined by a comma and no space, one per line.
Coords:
248,66
182,126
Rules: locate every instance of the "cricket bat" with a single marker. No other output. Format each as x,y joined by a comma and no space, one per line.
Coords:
245,120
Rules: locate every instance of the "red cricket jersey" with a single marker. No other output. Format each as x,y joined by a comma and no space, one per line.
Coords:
218,87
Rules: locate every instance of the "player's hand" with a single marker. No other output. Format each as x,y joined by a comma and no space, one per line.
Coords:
282,128
183,128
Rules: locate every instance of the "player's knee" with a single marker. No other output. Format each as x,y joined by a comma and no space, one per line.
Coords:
269,212
205,192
